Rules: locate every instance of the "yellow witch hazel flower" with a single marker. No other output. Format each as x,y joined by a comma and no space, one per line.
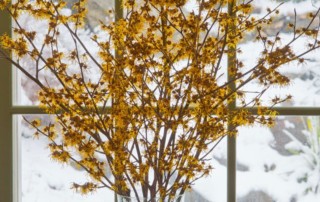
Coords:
4,4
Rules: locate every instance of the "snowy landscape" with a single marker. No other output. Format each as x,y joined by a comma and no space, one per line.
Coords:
281,164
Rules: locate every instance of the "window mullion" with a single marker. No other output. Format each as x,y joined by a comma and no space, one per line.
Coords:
282,111
118,16
6,127
292,111
231,140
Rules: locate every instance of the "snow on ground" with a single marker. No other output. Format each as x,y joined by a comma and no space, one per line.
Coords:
268,171
214,187
275,174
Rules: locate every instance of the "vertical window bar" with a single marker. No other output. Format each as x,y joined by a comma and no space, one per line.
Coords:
231,140
6,126
118,15
118,9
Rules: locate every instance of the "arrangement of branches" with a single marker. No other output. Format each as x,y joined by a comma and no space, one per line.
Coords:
151,104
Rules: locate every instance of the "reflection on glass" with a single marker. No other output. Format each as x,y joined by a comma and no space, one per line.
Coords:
281,163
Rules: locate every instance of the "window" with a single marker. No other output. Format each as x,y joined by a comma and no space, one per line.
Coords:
293,117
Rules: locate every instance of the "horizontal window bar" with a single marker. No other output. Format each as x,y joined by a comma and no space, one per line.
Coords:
22,109
282,111
26,110
292,111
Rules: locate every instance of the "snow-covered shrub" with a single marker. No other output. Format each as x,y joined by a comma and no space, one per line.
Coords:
309,153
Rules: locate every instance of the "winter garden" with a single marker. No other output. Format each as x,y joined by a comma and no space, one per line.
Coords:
281,163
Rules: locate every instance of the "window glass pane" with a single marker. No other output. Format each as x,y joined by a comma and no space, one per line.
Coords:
37,182
98,11
281,163
304,76
42,178
214,187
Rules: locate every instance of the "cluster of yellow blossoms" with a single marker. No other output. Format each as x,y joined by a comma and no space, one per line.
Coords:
158,105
